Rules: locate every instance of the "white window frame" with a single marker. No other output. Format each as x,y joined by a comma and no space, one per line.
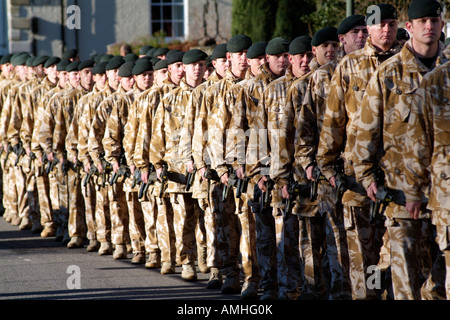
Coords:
184,4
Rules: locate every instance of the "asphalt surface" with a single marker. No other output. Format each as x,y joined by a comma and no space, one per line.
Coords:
33,268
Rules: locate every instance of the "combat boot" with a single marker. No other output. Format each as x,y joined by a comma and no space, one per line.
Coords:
202,253
94,245
25,224
75,242
269,294
105,249
188,272
231,285
36,227
215,279
138,258
154,260
120,252
15,221
167,268
48,232
249,290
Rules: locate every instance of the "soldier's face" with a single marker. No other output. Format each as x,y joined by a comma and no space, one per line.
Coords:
326,52
176,72
238,61
7,68
355,39
22,72
256,63
195,71
62,75
127,83
144,80
221,66
160,75
113,77
278,63
300,63
383,35
86,78
100,80
74,78
425,30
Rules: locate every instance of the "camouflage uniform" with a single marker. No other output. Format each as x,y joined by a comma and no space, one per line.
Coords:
426,161
164,149
99,222
148,103
337,140
115,193
386,107
206,224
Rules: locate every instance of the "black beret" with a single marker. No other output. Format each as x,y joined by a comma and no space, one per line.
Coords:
73,66
194,55
175,56
161,64
386,11
144,49
141,67
277,45
424,8
131,57
106,58
86,64
71,53
62,65
30,61
220,51
52,61
350,22
209,62
402,34
324,35
257,49
6,58
300,45
99,68
239,43
160,52
154,60
20,59
115,63
126,69
40,60
150,53
144,58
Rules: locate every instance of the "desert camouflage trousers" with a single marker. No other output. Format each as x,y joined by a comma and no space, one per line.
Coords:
102,214
89,195
416,274
119,215
443,241
165,229
77,220
45,206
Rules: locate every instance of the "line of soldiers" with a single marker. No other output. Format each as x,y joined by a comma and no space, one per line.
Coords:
300,167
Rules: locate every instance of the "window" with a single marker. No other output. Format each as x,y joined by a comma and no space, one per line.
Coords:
168,16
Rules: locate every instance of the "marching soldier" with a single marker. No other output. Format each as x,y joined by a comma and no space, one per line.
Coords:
380,141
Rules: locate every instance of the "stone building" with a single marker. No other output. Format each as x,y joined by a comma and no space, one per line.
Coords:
48,27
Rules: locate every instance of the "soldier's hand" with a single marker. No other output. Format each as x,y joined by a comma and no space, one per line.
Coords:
333,181
224,178
158,173
50,156
372,191
309,173
28,151
413,207
285,192
100,168
144,177
240,173
190,166
132,168
116,167
262,183
87,168
74,160
202,173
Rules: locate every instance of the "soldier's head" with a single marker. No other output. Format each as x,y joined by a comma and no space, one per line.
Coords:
143,50
425,22
325,45
73,74
19,61
50,69
160,53
160,71
62,73
300,55
402,36
175,66
194,65
31,72
38,64
143,74
256,57
112,71
71,55
237,48
99,75
353,33
85,71
6,66
126,76
219,59
382,24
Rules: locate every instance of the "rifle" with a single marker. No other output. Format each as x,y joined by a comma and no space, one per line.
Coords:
107,168
295,190
242,185
92,171
19,151
232,182
270,184
318,176
123,171
382,197
32,157
51,165
340,181
190,178
211,174
164,179
167,175
152,178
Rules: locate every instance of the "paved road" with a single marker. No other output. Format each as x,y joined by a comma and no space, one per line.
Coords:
35,268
